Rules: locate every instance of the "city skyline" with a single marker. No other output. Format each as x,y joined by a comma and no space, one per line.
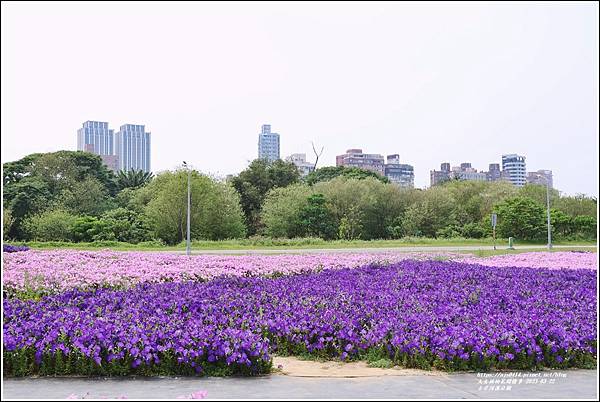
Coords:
124,150
466,83
103,147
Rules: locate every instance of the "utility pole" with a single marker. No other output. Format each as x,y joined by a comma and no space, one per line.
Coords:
548,212
494,220
188,249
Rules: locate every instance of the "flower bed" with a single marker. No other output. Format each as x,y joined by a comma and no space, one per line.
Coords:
49,272
549,260
448,315
9,248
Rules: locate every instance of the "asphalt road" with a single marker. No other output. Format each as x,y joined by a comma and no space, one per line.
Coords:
405,249
568,384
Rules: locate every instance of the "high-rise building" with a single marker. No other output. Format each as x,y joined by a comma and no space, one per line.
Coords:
494,173
399,173
440,176
132,144
95,137
303,166
268,144
513,166
540,177
356,158
463,172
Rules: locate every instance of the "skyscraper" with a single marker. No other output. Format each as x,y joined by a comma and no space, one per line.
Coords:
97,138
494,173
513,166
399,173
132,144
440,176
268,144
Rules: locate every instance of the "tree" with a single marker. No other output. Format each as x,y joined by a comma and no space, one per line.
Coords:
40,182
125,225
86,197
254,183
281,211
330,172
349,197
474,200
63,168
537,192
23,198
431,214
522,218
317,155
13,172
350,225
132,179
90,228
7,222
54,225
317,219
585,226
215,210
221,216
577,205
561,223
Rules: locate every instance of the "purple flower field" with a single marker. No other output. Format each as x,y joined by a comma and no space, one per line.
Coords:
443,314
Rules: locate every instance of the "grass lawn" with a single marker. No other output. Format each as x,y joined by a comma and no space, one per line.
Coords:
312,243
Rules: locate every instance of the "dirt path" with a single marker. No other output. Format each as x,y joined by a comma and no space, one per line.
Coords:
294,367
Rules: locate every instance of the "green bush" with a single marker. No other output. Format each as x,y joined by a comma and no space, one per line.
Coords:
316,218
474,231
521,218
56,225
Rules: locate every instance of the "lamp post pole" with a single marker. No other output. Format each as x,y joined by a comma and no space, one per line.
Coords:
188,250
548,212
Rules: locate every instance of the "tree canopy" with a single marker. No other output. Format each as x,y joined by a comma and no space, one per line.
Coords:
254,183
330,172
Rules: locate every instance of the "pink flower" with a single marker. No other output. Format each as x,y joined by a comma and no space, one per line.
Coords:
201,394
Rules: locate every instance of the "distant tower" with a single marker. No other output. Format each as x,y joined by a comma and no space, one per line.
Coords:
133,147
268,144
97,138
513,166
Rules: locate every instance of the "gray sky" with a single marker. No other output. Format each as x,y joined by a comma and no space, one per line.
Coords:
432,82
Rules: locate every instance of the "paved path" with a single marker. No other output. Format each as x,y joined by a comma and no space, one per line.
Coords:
571,384
401,249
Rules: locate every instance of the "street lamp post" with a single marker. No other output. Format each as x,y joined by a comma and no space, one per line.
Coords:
188,250
548,212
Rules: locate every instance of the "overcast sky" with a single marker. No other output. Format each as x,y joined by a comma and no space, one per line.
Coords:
432,82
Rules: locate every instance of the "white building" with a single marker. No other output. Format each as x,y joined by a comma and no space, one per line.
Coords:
513,166
303,166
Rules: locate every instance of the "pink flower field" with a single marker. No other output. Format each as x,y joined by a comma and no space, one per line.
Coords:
550,260
57,270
